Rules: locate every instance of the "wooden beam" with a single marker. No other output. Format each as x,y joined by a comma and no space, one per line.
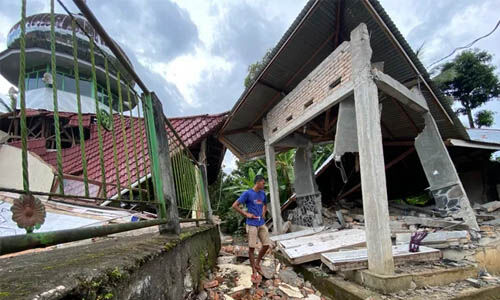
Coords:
369,133
394,88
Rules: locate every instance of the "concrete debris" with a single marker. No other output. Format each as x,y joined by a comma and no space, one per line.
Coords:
235,281
474,282
226,259
291,291
491,206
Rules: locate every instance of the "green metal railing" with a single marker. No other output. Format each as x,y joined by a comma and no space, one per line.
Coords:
124,130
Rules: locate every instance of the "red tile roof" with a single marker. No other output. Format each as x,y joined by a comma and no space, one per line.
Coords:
191,129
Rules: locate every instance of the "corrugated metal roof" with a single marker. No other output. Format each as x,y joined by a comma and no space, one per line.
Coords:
484,135
308,41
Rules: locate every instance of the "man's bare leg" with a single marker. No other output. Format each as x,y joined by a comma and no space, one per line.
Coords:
252,260
262,252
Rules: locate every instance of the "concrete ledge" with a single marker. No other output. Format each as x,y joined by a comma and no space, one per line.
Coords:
149,266
399,282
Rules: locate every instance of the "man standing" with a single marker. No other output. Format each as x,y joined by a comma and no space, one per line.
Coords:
255,201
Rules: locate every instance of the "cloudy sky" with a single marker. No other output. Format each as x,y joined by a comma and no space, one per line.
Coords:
194,53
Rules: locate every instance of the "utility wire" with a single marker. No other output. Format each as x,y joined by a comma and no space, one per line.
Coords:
466,46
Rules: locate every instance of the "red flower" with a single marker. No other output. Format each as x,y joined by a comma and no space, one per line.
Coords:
28,212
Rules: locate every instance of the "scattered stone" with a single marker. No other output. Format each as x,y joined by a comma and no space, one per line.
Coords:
226,259
308,290
413,285
290,277
291,291
241,251
312,297
276,282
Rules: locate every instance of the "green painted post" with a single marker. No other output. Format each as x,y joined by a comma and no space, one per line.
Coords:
161,168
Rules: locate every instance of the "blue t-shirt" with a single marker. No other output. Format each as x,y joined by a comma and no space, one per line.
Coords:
254,201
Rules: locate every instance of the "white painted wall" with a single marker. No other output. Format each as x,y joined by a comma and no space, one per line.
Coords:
41,174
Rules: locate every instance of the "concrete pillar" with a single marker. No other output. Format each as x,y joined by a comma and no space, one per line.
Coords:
202,160
371,157
166,179
346,137
444,182
272,177
308,198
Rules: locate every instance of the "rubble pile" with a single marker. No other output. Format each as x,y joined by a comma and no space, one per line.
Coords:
232,279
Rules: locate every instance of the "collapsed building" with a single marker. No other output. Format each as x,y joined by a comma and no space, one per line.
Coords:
343,73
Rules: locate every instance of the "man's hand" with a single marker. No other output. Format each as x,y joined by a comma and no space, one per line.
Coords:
251,216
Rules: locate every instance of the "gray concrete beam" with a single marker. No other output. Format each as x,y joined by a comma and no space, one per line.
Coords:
397,90
341,93
441,174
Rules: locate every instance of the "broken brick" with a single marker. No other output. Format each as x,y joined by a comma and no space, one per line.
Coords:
211,284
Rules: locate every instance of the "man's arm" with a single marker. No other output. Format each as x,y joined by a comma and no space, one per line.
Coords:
264,210
236,207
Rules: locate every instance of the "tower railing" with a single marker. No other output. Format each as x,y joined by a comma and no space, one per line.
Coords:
140,159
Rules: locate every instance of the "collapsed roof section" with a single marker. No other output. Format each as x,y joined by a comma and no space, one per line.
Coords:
318,30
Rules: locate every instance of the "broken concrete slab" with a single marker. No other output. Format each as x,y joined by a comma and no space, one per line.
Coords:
358,259
319,237
439,237
290,291
297,234
434,222
491,206
337,240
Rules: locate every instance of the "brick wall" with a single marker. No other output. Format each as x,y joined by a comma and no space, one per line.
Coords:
328,76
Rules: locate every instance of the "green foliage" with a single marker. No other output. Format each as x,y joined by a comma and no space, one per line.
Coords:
484,118
255,68
421,199
229,187
469,79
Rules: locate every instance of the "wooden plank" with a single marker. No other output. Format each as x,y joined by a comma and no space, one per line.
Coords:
315,238
297,234
358,259
310,252
434,237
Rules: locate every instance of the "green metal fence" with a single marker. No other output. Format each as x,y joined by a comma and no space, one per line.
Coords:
129,168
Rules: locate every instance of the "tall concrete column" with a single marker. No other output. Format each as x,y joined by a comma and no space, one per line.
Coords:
272,177
444,182
308,198
165,180
202,160
371,157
